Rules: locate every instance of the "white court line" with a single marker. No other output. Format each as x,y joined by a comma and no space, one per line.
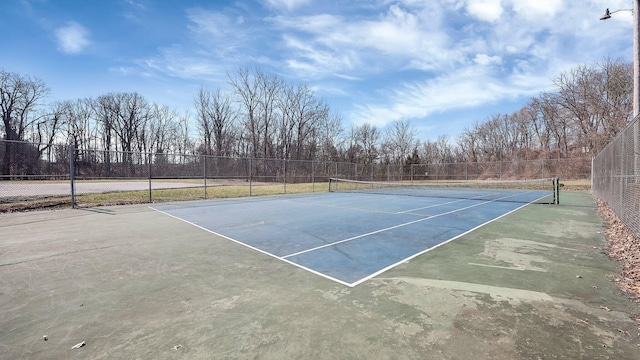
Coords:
353,284
343,206
255,248
477,198
437,245
389,228
430,206
436,205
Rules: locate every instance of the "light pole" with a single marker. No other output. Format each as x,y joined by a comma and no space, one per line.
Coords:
636,54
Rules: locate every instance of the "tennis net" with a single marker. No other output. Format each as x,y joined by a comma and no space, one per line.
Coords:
541,191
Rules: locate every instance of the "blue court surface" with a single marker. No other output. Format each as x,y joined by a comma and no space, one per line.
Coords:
346,237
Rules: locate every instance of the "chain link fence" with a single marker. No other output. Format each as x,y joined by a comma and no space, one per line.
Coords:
616,174
40,175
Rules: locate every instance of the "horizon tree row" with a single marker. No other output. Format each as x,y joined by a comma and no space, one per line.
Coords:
261,115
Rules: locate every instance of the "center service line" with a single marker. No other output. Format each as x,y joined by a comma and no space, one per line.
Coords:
386,229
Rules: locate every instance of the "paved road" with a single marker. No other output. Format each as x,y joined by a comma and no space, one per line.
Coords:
30,189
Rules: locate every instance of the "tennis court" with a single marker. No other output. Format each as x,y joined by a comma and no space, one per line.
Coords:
360,229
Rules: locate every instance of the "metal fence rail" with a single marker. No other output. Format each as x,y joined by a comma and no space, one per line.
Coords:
616,176
61,173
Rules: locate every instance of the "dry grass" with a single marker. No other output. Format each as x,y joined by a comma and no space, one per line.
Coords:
162,195
576,184
222,190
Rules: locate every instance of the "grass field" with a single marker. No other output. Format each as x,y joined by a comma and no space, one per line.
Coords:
12,204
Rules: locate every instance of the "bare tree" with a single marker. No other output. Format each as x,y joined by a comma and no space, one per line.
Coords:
401,140
162,131
617,100
248,90
47,128
364,141
468,142
301,116
259,93
78,118
270,86
131,120
105,109
184,144
576,88
330,131
216,118
19,98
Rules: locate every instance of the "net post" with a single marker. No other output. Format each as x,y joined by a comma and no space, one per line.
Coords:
331,189
556,191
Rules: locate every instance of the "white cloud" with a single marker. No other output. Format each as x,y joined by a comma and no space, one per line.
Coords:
180,63
217,43
484,59
287,4
398,38
313,61
485,10
136,4
402,59
217,35
210,23
72,38
135,10
465,88
537,9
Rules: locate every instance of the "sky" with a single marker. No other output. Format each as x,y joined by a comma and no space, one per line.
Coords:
443,65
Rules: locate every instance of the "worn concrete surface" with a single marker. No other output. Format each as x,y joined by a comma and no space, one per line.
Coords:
133,284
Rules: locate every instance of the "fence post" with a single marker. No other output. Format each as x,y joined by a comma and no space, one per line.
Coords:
149,170
592,183
72,176
204,173
313,177
619,207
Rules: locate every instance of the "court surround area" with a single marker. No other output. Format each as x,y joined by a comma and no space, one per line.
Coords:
133,283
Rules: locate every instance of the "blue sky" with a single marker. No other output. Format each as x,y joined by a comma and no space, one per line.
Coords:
442,64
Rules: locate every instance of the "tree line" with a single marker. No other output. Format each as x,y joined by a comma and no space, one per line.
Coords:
261,115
